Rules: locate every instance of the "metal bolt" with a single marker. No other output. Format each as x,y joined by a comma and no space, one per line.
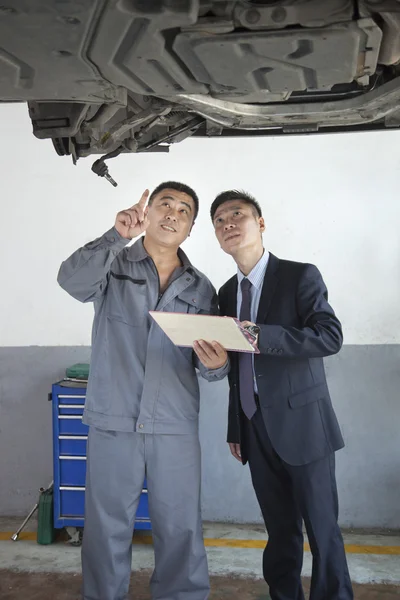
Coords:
253,16
278,15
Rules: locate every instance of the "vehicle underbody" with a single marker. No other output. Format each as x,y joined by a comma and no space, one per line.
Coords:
111,76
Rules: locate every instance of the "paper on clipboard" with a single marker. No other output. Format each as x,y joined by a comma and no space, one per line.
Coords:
183,329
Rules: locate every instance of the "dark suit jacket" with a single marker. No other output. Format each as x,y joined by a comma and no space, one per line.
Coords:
298,328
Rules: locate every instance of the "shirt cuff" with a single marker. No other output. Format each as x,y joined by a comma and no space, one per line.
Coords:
218,373
112,237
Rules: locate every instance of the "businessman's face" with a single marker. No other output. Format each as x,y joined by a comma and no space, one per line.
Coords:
171,215
237,226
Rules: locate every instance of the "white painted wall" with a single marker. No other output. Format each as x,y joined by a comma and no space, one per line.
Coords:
332,200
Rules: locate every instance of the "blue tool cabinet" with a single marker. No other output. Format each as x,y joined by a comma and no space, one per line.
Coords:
69,458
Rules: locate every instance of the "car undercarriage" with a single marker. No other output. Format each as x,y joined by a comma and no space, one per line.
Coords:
104,77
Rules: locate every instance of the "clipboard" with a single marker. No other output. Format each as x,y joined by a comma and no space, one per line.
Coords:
185,328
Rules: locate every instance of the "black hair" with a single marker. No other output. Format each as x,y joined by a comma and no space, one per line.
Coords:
235,195
178,187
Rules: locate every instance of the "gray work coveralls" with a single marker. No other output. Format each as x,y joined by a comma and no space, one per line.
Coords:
142,407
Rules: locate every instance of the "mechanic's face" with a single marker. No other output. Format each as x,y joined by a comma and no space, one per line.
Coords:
237,226
171,216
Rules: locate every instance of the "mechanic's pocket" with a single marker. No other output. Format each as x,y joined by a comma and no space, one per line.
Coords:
127,300
192,303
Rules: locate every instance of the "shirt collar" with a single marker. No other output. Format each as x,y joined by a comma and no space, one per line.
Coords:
256,275
137,252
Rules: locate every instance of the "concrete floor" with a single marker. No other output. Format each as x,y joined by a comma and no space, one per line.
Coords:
234,555
55,586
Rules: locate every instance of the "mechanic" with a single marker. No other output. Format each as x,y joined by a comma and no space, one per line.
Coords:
142,400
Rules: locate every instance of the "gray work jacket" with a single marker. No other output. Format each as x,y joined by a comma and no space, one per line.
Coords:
139,380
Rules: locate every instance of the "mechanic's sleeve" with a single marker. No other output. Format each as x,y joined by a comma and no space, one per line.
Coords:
84,275
211,374
320,333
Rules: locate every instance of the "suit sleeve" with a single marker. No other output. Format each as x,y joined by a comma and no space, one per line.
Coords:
320,333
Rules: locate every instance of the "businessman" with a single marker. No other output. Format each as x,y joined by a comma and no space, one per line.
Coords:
142,400
281,420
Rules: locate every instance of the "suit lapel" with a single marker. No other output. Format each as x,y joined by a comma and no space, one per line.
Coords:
268,289
230,310
231,297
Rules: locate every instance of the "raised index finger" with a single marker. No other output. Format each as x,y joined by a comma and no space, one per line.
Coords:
143,199
142,202
139,207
